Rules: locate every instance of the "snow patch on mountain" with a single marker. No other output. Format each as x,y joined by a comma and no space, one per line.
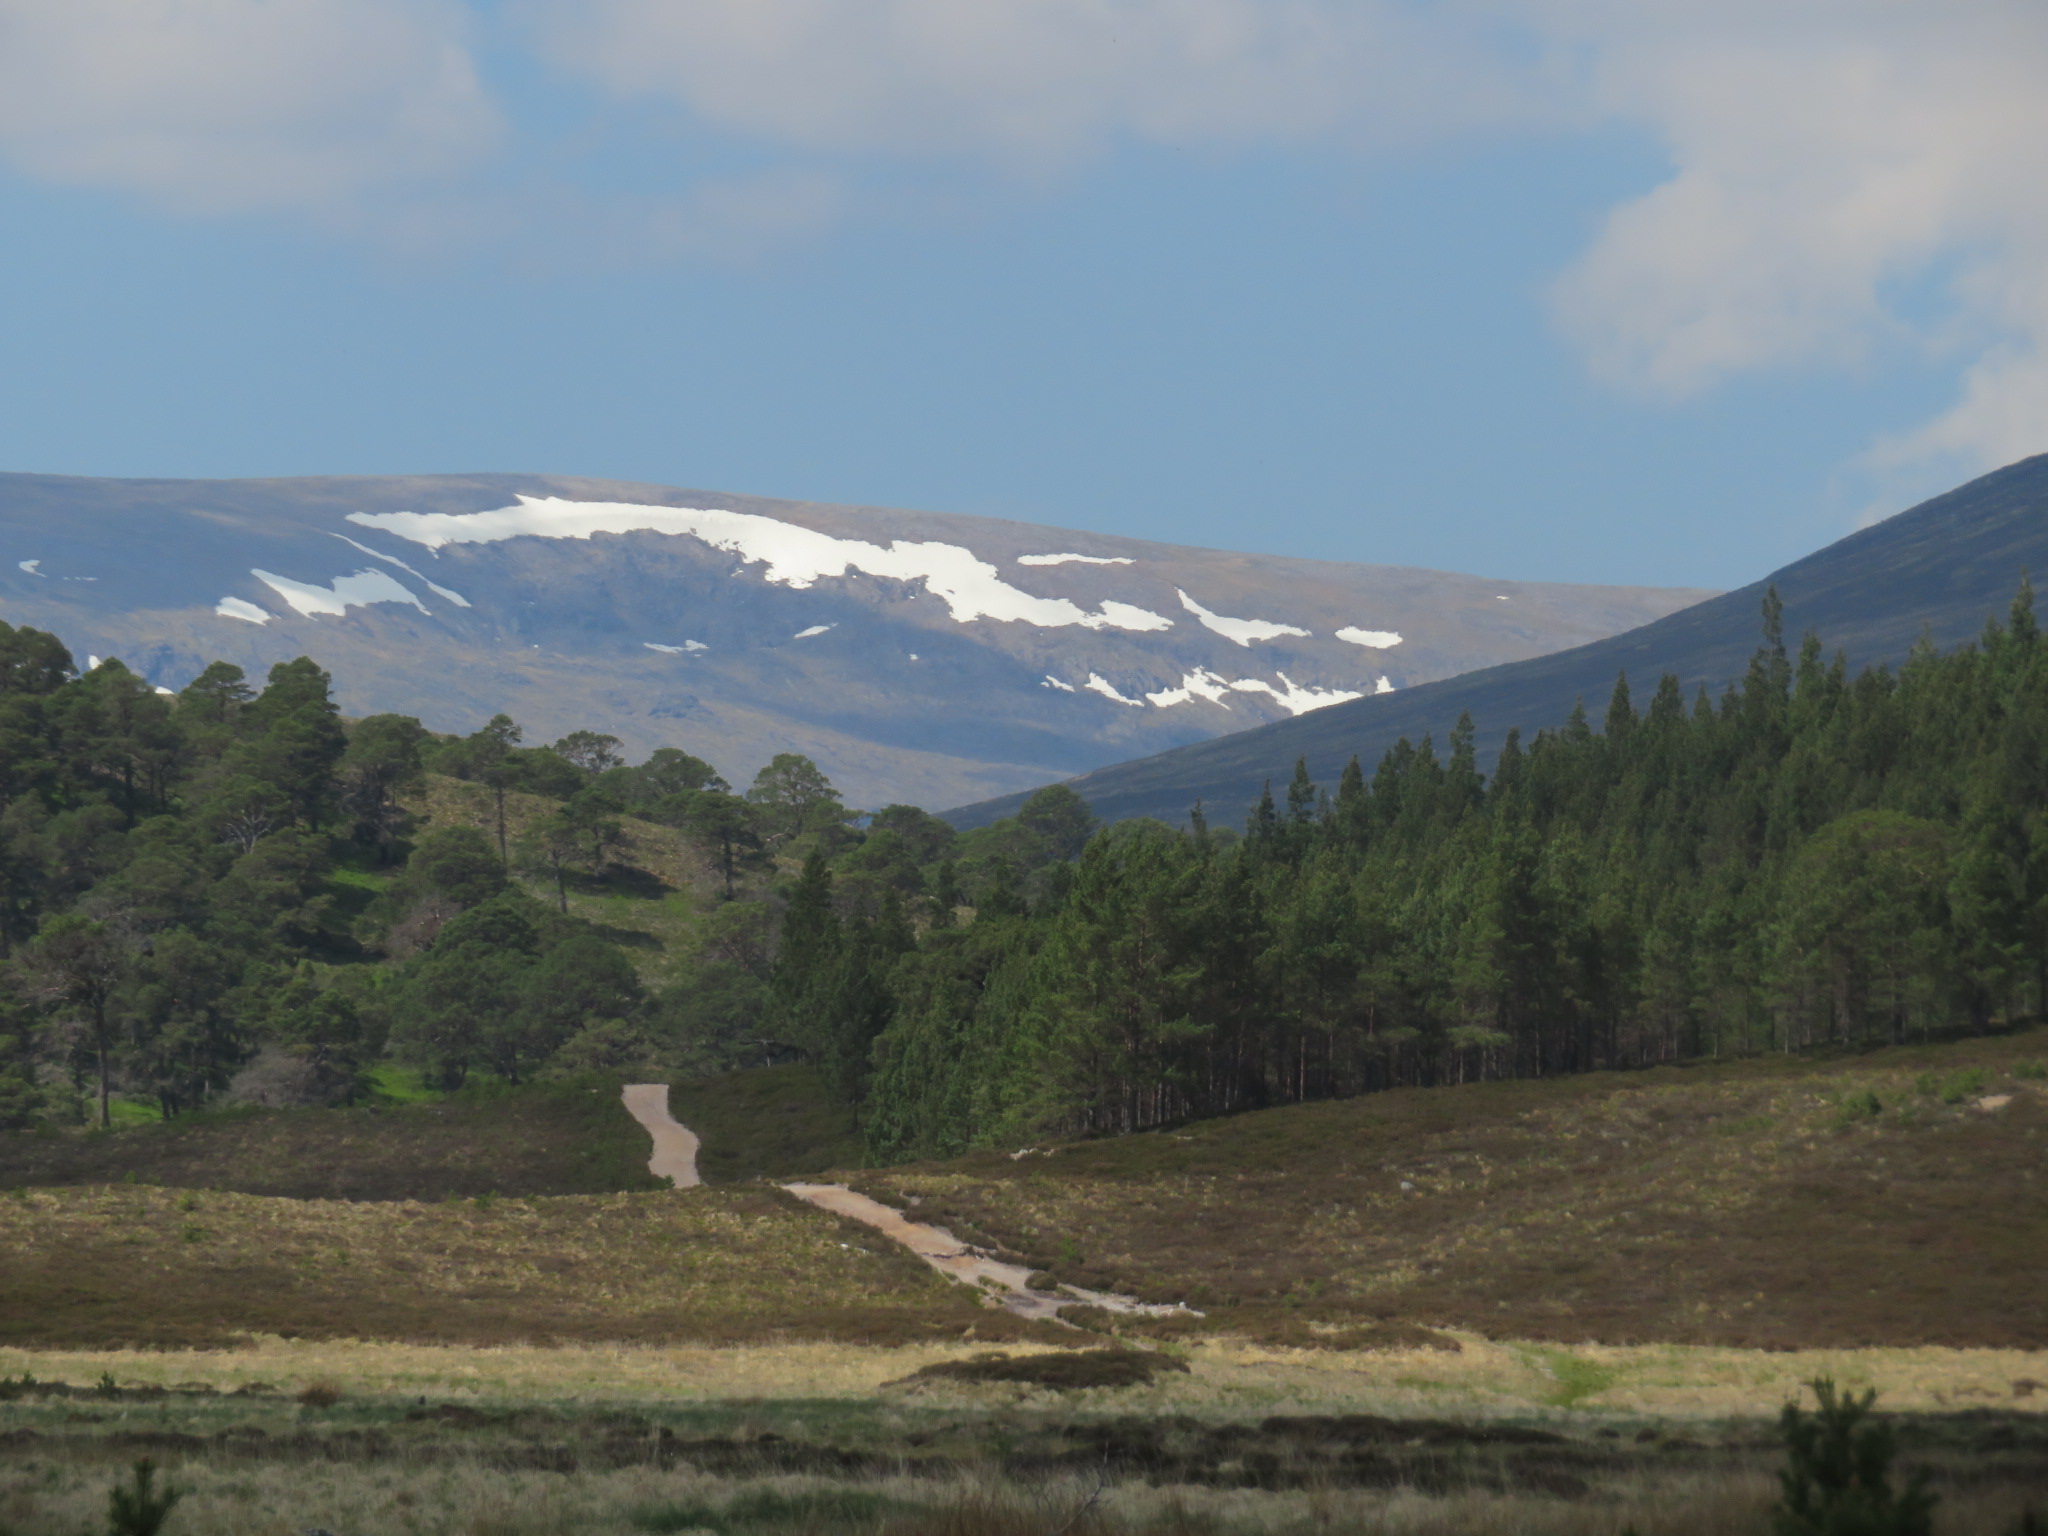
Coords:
795,556
454,597
1294,697
1376,639
687,648
359,591
1198,684
1386,684
30,567
815,629
1103,686
1074,560
1053,682
241,608
1243,631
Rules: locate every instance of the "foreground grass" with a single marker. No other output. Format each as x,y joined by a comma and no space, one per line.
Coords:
285,1436
1895,1197
135,1265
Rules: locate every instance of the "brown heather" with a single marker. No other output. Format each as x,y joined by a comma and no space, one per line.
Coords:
138,1266
1760,1204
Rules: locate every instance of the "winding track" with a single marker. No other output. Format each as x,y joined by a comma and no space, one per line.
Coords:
1004,1285
675,1146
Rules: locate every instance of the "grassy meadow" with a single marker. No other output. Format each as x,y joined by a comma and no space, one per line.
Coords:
283,1436
1571,1306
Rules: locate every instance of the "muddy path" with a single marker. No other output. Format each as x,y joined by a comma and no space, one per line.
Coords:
675,1146
1006,1285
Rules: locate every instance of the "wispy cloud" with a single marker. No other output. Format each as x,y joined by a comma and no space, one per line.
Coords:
1826,156
1040,83
212,106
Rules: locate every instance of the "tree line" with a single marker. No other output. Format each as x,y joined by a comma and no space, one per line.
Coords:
1813,856
229,892
221,894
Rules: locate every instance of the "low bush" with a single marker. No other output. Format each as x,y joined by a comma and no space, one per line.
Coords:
1067,1371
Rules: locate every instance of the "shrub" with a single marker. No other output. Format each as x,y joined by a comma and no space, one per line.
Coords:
1066,1371
1959,1086
1837,1481
2030,1069
136,1508
320,1394
1863,1104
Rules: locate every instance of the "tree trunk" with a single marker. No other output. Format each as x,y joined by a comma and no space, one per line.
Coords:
99,1036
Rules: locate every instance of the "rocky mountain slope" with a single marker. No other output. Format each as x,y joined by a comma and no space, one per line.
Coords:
1939,570
917,656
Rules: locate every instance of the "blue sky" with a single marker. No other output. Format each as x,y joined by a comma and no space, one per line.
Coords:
1653,294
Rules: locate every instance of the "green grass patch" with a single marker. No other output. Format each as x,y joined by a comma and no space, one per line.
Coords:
1577,1378
391,1083
124,1111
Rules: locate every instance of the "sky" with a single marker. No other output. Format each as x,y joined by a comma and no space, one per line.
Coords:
1640,291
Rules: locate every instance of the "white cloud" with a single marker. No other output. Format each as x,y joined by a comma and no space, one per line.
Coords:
224,105
1849,179
1837,164
1033,82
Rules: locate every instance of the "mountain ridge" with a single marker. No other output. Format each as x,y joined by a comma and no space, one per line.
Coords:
918,656
1941,567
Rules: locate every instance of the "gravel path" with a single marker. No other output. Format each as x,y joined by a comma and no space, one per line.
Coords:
1008,1285
675,1146
1005,1285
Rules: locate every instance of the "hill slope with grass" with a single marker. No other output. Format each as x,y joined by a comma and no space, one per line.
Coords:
1894,1197
555,1138
1935,570
1897,1197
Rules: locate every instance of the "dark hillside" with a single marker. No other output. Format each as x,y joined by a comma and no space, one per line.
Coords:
1893,1197
556,1138
567,1138
1937,569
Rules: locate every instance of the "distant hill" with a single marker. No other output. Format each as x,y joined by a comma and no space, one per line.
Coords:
1940,570
917,656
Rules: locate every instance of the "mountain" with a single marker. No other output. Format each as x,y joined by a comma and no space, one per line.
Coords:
1939,569
917,656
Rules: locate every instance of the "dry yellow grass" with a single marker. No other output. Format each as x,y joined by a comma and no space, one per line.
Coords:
547,1442
1227,1377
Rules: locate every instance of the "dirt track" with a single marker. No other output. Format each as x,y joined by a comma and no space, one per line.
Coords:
675,1146
1005,1285
1008,1285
